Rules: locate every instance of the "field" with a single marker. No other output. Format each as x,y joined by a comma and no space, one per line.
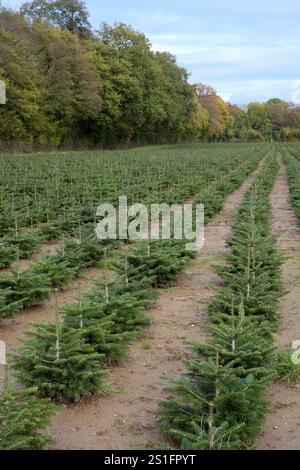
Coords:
144,342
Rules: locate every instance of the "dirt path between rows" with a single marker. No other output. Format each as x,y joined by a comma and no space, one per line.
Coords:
282,429
126,419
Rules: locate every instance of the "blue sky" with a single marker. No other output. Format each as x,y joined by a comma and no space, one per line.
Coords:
247,49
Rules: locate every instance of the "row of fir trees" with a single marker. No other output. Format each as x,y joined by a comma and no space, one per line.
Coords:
220,403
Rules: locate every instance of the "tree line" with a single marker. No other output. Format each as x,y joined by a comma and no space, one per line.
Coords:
68,85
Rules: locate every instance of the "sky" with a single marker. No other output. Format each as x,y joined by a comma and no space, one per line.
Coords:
248,50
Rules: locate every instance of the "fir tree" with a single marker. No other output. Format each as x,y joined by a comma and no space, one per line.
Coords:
25,245
241,341
22,417
57,360
19,290
160,261
214,395
100,330
8,254
221,403
57,270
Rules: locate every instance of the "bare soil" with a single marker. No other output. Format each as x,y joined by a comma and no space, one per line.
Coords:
126,419
282,428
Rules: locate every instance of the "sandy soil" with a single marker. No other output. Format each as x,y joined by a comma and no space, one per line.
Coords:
126,420
282,429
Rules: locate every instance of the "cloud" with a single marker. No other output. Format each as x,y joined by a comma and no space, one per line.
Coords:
244,91
237,67
153,19
296,91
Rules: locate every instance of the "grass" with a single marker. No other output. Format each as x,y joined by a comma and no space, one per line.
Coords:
147,346
286,369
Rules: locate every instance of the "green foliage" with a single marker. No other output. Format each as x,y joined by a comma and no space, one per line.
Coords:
21,117
67,85
7,255
109,333
292,161
160,262
57,194
239,340
252,274
20,290
221,403
24,245
59,363
71,15
65,361
111,315
214,403
286,369
22,416
258,118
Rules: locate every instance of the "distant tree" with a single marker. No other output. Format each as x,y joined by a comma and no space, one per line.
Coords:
21,119
220,120
241,124
177,95
204,90
53,91
287,134
71,87
128,72
197,125
36,10
277,113
258,118
274,101
146,95
122,36
293,116
71,15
